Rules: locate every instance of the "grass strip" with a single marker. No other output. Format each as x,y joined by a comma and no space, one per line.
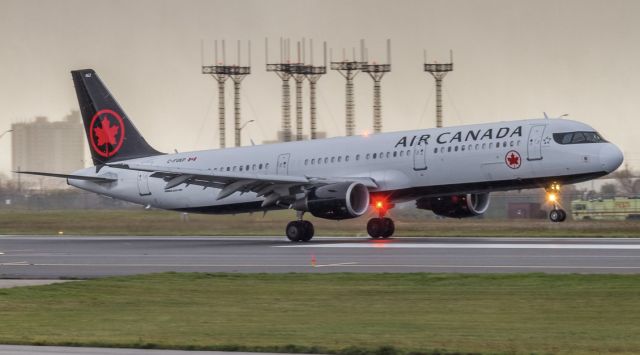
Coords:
138,222
333,313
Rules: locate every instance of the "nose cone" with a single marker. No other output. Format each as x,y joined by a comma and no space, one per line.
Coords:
610,157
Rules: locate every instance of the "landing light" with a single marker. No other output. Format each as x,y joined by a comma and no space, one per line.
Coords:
379,205
552,197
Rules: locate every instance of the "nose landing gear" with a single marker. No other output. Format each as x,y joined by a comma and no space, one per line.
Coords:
557,214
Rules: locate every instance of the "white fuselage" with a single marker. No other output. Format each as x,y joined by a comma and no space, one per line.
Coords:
405,165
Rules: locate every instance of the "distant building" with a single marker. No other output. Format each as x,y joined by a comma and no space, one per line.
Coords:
280,139
47,146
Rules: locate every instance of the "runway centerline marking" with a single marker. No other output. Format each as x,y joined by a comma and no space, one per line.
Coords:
467,246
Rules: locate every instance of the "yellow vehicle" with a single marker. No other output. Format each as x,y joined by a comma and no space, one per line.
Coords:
618,208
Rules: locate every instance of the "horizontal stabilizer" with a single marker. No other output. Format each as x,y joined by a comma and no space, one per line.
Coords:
66,176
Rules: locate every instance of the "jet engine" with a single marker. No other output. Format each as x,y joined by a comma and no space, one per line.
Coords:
336,201
456,206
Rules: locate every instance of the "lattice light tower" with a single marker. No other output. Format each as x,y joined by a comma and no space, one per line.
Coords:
237,73
439,71
349,70
297,71
313,74
282,69
220,72
376,72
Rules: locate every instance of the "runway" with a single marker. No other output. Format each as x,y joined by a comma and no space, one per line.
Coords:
51,257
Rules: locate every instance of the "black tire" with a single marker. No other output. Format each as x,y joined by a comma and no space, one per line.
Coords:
388,227
308,231
554,216
375,228
295,231
563,215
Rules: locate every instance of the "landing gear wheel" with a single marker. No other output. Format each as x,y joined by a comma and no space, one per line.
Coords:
295,231
375,228
388,227
557,215
563,215
308,231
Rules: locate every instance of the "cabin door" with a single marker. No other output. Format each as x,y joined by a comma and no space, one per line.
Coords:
420,156
283,164
143,184
534,144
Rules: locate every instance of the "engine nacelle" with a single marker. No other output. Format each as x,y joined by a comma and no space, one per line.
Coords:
336,201
456,206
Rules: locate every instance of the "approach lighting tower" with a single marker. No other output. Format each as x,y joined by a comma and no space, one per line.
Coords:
298,71
237,74
313,75
282,69
349,70
376,72
220,72
439,71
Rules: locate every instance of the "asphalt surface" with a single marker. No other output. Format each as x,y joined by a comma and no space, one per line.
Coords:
38,257
61,350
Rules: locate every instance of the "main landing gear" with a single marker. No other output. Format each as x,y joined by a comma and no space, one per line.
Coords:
381,227
557,214
300,230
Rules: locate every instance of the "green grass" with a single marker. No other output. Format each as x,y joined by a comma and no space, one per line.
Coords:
338,313
140,222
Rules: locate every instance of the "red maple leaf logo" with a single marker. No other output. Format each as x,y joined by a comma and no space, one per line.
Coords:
106,133
513,159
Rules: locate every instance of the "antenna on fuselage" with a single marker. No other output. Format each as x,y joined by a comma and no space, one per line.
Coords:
545,115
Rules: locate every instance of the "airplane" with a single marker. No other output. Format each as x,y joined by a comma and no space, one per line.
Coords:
450,171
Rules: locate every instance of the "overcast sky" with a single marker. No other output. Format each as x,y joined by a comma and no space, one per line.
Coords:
513,60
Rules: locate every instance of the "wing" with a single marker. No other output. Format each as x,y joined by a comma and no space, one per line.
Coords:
274,188
66,176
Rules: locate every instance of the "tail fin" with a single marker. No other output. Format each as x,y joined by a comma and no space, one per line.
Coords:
112,136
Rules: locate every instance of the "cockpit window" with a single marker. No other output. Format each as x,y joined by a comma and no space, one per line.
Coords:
578,138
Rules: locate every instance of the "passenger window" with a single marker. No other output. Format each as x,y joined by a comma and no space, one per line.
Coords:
388,155
306,161
435,150
511,144
240,168
395,154
339,159
462,148
449,149
441,149
408,152
381,155
374,155
253,167
477,146
368,156
402,153
326,160
266,166
346,158
228,168
456,148
357,156
490,145
260,166
484,145
333,159
313,161
235,168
